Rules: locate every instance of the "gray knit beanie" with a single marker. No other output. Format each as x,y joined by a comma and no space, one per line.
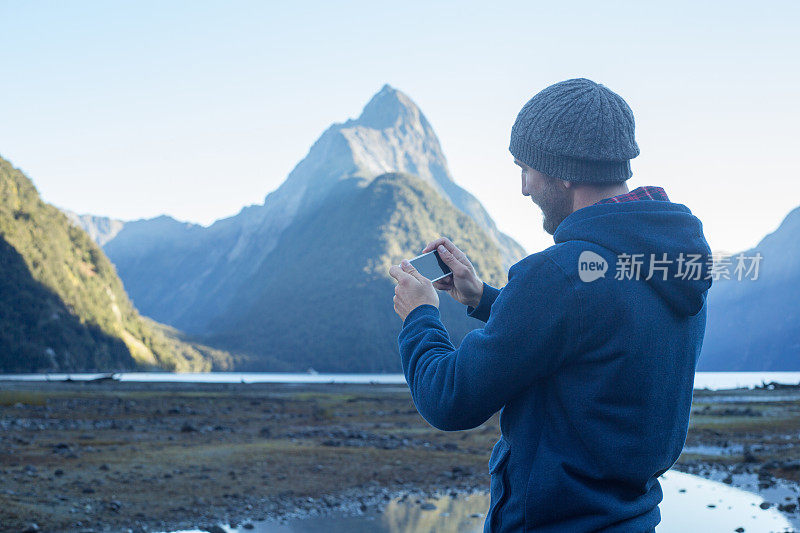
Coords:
576,130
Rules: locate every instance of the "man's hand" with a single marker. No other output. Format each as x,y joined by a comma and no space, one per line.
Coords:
412,289
463,284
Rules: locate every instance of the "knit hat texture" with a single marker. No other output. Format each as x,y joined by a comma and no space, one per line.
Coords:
576,130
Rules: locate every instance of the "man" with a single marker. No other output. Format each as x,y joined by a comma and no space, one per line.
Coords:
592,370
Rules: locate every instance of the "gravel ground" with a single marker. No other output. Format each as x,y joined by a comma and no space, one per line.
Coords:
119,456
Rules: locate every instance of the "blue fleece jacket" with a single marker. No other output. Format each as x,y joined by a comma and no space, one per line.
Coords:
593,379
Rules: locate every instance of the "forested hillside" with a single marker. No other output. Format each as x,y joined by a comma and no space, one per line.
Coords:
62,306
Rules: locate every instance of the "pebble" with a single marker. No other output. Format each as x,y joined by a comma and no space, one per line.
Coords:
114,505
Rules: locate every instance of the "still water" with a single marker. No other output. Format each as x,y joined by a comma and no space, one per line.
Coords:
690,503
709,380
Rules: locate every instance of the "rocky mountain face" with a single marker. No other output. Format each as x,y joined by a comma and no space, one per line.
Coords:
754,324
188,275
62,306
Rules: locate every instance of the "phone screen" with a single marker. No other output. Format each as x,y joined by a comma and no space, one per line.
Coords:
431,265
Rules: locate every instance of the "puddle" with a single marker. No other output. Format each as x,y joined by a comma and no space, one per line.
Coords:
705,449
689,502
733,507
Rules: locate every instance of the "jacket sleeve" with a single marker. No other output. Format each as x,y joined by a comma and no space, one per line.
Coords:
533,325
485,305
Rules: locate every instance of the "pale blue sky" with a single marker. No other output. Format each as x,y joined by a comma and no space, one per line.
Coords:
196,109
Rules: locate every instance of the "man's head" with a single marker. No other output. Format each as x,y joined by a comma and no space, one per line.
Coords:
552,195
558,198
574,141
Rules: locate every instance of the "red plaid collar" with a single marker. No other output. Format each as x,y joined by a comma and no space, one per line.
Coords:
646,192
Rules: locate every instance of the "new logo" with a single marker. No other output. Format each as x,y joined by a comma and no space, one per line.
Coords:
591,266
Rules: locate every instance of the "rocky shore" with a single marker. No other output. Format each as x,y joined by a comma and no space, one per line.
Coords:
119,456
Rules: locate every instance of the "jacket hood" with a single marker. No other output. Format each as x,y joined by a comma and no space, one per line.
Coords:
650,228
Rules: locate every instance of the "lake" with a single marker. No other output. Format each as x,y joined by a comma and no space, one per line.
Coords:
708,380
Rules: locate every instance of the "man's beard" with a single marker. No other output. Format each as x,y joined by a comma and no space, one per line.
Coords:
555,202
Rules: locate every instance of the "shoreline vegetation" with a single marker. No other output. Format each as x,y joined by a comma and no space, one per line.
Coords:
117,456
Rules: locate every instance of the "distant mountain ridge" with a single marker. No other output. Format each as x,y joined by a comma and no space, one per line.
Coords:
293,283
62,306
185,275
100,229
755,324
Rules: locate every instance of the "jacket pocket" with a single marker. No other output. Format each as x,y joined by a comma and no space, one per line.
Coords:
499,483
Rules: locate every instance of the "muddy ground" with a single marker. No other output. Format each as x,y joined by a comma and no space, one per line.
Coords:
119,456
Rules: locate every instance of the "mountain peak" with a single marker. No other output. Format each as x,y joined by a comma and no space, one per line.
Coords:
388,108
785,236
792,219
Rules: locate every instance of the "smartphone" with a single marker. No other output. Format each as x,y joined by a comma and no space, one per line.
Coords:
431,265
